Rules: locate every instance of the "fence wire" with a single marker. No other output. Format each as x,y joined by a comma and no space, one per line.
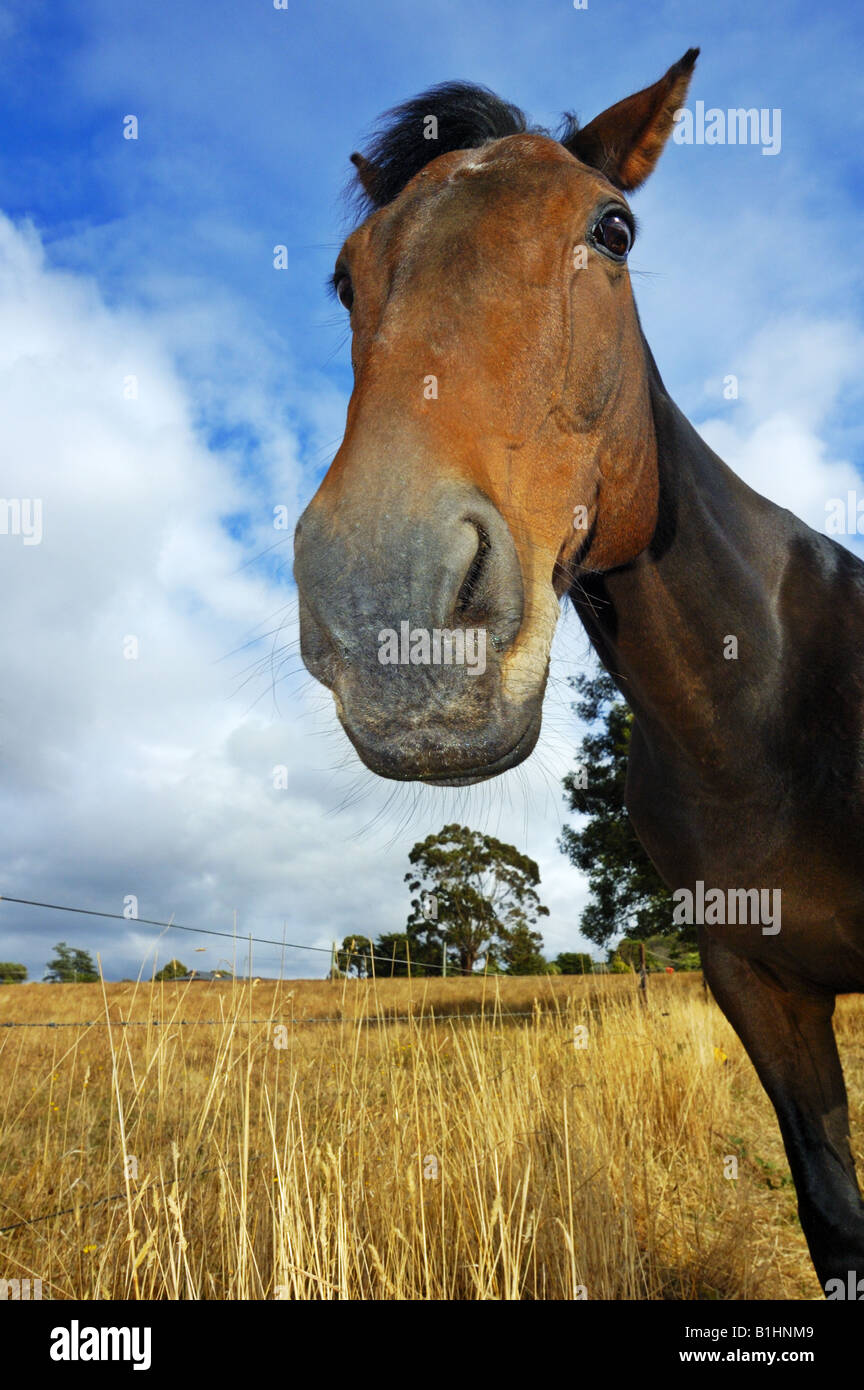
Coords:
115,1196
340,951
488,1015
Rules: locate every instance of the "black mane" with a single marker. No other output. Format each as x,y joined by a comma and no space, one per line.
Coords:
468,116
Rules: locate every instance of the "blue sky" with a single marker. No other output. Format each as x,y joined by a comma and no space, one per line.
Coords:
155,258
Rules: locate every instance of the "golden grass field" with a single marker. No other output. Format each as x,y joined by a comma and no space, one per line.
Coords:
460,1159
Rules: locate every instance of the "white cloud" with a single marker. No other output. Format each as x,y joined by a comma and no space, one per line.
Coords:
792,379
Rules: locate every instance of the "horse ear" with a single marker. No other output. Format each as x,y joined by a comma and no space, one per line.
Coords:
626,141
367,174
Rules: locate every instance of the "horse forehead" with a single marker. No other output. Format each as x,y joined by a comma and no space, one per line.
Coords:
513,161
513,177
530,150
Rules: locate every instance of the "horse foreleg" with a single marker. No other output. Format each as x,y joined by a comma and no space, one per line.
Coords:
789,1037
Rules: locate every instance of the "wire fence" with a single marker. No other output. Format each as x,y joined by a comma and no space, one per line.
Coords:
431,1017
488,1015
113,1197
493,1014
334,951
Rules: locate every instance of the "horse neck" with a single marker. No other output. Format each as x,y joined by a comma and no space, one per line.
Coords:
662,625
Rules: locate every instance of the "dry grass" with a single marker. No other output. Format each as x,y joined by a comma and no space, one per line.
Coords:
467,1159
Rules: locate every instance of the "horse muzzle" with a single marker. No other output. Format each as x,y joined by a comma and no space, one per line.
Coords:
409,621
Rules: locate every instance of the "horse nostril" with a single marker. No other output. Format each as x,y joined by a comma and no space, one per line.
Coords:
490,594
469,597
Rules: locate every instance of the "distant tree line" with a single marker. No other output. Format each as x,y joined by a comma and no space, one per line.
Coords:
475,902
69,966
72,966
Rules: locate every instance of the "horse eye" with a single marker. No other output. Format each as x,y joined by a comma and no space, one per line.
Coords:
614,234
345,291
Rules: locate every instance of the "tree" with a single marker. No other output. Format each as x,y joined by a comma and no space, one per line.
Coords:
356,956
475,894
11,973
661,953
520,953
71,966
574,963
407,953
627,893
629,952
172,971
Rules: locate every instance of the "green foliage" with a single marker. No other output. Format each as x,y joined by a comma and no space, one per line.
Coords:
355,958
11,973
630,952
406,953
475,896
574,963
172,971
71,966
627,893
520,952
661,953
688,960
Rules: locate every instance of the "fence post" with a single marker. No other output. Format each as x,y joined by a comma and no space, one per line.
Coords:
643,974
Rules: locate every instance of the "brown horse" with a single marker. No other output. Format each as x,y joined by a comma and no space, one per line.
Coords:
509,442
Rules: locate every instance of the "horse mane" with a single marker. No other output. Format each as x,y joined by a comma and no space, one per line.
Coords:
468,116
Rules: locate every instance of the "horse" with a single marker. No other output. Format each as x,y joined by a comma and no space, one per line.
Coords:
509,443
